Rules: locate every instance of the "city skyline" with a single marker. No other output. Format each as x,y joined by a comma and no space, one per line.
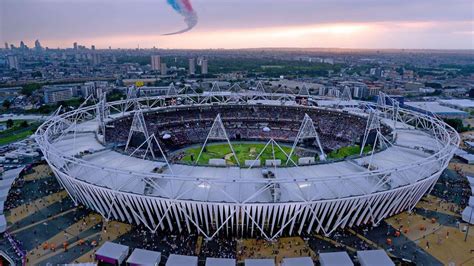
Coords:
232,25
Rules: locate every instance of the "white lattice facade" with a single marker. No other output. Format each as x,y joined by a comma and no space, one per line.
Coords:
236,201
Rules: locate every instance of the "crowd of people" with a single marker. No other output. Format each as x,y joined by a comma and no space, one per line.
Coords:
166,242
191,125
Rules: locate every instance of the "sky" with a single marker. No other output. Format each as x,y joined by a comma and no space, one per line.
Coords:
367,24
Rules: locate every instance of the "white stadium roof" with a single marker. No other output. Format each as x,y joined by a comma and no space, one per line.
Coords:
435,107
459,103
409,148
159,195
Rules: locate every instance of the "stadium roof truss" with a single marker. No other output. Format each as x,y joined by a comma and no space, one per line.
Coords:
307,131
218,132
317,207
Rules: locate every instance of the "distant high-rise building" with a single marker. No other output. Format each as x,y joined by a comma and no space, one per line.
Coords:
199,60
38,46
155,62
13,62
93,47
6,46
96,60
55,94
12,46
192,66
164,69
74,45
204,66
23,46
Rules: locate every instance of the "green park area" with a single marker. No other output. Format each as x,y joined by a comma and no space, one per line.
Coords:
17,130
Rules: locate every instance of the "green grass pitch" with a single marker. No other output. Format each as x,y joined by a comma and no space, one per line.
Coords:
244,151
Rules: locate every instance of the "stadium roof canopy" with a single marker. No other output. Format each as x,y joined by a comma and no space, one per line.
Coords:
388,158
6,181
144,257
111,252
303,261
181,260
436,108
259,262
220,262
374,258
459,103
335,259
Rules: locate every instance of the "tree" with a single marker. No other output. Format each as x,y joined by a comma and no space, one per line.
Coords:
9,123
6,104
28,89
37,74
24,124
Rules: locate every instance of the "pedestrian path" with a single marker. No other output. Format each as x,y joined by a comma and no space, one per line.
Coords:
21,212
112,230
71,236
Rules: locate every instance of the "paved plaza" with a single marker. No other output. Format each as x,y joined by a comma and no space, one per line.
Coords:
52,229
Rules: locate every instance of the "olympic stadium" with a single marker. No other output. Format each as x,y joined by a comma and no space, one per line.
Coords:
148,160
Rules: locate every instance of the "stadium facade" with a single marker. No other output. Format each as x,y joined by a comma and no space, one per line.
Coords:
81,148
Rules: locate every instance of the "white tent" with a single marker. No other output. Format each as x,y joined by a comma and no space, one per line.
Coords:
335,259
3,223
181,260
259,262
144,257
470,179
111,252
220,262
302,261
468,215
374,258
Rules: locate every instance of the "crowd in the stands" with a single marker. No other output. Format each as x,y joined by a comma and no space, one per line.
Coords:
183,126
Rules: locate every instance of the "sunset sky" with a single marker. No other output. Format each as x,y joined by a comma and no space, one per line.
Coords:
432,24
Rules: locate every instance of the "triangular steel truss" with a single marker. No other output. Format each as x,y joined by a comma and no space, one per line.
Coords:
304,90
131,100
260,88
373,124
382,100
215,87
271,143
139,126
217,132
307,131
101,111
171,90
346,94
235,88
188,89
149,142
